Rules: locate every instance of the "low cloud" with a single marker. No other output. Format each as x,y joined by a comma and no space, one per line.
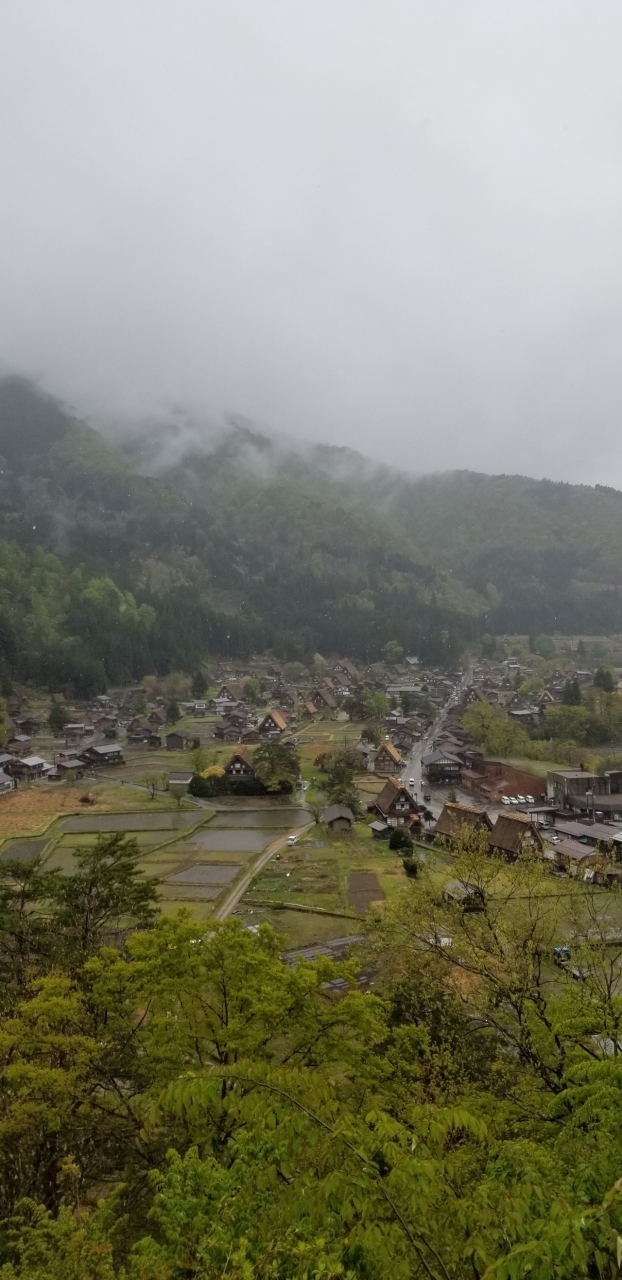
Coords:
390,227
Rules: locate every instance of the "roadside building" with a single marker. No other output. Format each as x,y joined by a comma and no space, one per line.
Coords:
338,818
455,816
395,805
387,759
442,766
514,834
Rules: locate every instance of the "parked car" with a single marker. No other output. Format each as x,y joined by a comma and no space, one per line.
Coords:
513,799
530,800
411,782
505,800
521,800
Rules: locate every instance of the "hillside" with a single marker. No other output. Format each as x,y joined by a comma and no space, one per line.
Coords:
118,558
529,555
548,555
106,573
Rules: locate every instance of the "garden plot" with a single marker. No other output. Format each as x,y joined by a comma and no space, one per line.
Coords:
363,889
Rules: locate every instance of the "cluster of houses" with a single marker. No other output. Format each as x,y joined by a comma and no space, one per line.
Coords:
494,682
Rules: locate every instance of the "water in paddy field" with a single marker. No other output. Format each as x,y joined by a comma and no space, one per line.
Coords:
283,818
233,841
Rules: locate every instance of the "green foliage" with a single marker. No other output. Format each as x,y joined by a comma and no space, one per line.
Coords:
400,839
172,712
571,696
491,728
107,891
276,765
340,767
199,685
392,651
252,691
58,717
603,679
249,1123
544,646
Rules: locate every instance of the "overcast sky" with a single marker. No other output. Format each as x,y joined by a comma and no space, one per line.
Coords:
393,225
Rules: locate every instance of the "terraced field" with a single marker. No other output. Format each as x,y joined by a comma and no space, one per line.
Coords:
196,854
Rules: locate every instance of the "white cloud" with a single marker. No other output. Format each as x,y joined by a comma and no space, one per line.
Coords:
389,225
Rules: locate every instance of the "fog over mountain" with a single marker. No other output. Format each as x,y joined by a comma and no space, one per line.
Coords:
393,227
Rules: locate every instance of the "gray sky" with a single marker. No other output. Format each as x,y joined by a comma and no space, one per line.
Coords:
394,225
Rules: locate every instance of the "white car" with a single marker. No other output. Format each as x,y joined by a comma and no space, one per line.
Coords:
521,800
292,840
411,782
505,800
530,800
513,799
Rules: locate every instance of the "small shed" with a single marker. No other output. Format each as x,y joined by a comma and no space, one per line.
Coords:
175,741
469,896
338,817
380,830
179,781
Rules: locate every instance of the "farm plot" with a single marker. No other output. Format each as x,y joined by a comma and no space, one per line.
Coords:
234,840
22,850
131,822
363,889
277,817
201,882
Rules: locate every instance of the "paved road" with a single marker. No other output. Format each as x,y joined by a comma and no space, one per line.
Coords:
421,748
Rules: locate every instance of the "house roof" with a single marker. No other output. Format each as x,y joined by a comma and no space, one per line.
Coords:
279,717
243,754
454,816
325,695
392,751
181,776
337,811
105,750
235,688
389,794
310,707
440,757
510,830
31,761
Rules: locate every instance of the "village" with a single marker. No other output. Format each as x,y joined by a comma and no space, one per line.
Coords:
180,773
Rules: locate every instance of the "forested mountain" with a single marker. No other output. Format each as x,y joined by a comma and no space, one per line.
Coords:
106,573
117,558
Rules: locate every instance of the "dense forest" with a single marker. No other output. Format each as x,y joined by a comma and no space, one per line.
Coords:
144,550
179,1104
